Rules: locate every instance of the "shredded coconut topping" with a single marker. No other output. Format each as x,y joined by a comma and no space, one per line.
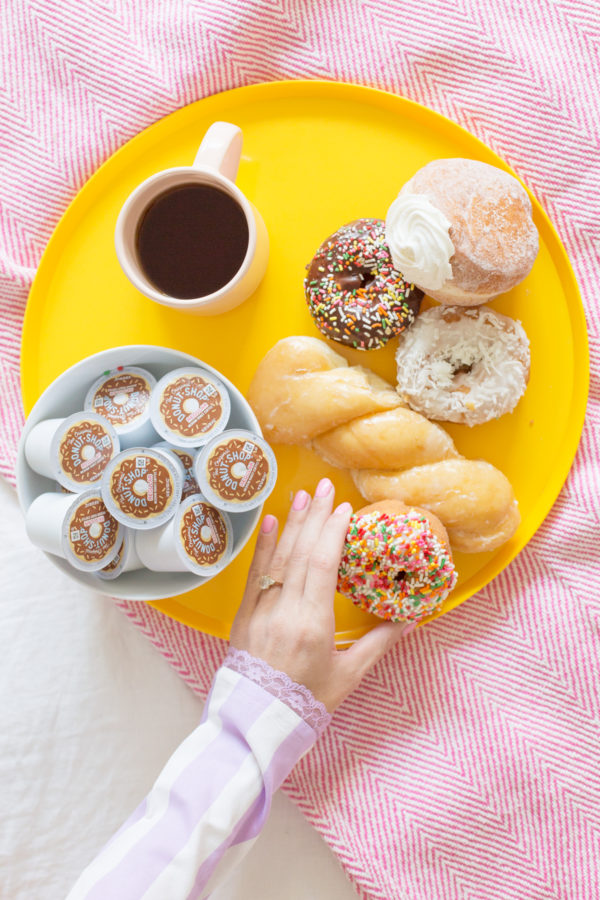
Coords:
463,365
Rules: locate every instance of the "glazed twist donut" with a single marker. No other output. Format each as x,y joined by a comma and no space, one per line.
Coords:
303,392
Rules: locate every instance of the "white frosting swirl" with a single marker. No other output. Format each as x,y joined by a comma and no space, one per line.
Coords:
417,234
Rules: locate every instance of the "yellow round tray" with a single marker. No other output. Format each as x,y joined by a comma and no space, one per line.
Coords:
316,155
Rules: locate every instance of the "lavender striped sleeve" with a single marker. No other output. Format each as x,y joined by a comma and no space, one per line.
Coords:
211,800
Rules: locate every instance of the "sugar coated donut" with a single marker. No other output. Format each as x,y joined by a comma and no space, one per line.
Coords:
396,562
463,365
354,293
462,231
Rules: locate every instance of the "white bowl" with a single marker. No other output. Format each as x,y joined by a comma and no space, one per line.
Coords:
66,395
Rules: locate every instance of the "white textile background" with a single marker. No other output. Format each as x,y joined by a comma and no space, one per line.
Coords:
90,712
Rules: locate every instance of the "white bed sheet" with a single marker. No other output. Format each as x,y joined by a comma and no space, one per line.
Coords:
90,713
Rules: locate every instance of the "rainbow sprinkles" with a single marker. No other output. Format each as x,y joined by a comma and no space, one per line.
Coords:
354,293
394,566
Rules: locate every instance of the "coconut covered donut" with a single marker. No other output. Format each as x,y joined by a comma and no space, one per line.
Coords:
463,365
354,293
396,562
462,231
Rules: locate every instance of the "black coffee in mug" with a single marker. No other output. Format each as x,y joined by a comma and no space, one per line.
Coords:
192,240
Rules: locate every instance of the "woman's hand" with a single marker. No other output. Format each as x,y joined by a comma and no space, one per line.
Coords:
292,626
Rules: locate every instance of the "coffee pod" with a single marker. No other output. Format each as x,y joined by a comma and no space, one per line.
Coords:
122,397
189,406
142,487
126,559
73,451
77,527
236,470
186,458
198,539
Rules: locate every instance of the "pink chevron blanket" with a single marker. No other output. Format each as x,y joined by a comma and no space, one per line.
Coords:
466,767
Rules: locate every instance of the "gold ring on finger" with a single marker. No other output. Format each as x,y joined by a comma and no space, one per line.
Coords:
266,581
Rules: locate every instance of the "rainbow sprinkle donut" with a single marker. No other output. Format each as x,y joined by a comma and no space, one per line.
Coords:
354,293
394,564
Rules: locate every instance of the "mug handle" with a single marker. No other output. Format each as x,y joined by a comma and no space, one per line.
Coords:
221,149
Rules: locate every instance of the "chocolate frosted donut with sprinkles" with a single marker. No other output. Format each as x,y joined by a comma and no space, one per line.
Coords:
354,293
396,562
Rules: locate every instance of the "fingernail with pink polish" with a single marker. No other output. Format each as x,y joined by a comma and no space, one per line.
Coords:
343,509
409,628
323,487
300,500
268,524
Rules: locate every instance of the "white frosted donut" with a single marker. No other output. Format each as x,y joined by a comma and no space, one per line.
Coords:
463,365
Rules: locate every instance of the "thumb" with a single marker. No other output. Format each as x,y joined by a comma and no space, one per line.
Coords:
370,648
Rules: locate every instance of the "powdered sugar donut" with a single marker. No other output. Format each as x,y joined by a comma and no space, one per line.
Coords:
463,365
462,231
396,562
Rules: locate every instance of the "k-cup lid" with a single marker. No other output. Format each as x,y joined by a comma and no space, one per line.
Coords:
91,536
203,536
189,406
122,396
187,457
236,470
142,487
81,447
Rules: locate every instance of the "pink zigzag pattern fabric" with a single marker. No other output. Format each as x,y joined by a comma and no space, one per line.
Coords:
466,765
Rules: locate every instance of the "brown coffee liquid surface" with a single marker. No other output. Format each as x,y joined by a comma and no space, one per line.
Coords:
192,240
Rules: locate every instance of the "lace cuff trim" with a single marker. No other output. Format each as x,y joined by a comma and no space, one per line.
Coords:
296,696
